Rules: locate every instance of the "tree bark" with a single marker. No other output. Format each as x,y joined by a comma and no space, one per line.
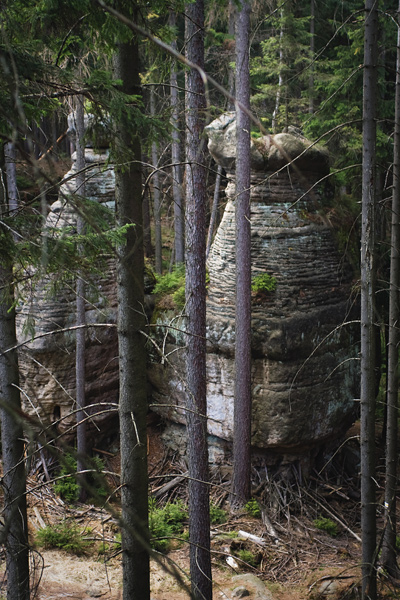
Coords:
367,434
131,341
15,532
214,210
389,540
175,155
81,445
196,202
156,194
240,492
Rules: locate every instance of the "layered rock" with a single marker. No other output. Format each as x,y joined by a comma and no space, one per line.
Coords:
47,363
304,370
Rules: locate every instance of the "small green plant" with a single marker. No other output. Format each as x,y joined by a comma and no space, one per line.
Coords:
67,487
173,285
217,515
165,523
64,536
247,557
253,508
327,525
263,283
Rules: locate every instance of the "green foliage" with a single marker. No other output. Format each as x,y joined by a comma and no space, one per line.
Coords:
165,523
67,487
247,557
217,515
263,283
253,508
172,285
325,524
64,536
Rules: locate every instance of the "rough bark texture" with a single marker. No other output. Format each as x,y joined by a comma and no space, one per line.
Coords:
389,541
156,194
305,374
196,405
175,156
132,353
81,445
14,534
241,483
367,432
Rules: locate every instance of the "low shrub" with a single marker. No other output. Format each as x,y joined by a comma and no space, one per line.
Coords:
64,536
263,283
217,515
253,508
165,523
324,524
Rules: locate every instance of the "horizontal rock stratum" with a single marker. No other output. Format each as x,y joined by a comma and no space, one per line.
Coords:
304,343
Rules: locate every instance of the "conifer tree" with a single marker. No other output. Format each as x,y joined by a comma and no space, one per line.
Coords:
196,404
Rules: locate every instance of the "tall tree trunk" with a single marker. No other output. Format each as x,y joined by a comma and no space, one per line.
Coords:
280,78
15,532
131,341
196,415
175,155
312,53
214,210
231,71
240,492
156,194
389,540
368,506
10,157
81,445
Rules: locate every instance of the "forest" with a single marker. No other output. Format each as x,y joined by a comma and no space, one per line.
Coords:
199,307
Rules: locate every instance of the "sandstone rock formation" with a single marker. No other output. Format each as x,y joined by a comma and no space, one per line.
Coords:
47,363
304,367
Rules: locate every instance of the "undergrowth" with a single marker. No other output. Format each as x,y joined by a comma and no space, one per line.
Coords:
63,536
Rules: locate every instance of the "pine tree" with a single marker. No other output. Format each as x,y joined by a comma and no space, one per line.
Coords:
196,404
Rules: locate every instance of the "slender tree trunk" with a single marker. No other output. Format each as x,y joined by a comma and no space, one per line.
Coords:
231,72
156,194
312,52
10,157
175,155
389,540
196,416
81,445
132,352
15,532
242,405
214,210
280,78
368,506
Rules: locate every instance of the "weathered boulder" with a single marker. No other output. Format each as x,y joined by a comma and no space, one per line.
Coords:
304,370
47,363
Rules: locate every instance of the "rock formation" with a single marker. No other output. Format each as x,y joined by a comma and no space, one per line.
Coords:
304,368
47,363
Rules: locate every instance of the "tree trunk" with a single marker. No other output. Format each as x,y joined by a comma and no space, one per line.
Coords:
240,492
312,53
280,78
367,434
156,194
15,532
175,155
214,210
81,445
131,341
389,540
196,202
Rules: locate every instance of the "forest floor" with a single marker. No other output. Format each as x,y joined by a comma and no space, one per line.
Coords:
311,536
